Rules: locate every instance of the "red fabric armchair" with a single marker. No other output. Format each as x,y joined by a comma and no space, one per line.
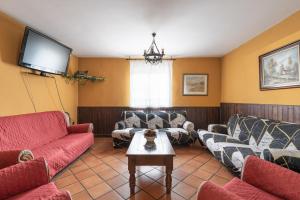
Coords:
260,179
26,180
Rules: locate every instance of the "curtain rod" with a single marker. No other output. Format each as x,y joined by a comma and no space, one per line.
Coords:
144,59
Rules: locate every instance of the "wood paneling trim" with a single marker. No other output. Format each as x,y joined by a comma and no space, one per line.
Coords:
289,113
104,118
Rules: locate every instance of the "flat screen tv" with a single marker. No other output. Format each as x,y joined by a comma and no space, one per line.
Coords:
42,53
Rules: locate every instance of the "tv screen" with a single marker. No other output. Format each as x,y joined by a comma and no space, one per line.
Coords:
40,52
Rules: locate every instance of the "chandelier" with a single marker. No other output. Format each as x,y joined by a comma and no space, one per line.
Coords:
153,55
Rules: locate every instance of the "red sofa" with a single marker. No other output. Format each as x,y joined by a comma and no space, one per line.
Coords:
47,135
26,179
260,179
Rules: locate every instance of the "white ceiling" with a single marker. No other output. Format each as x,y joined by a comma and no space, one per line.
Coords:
121,28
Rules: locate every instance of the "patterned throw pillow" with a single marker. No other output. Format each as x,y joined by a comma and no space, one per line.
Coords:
177,119
260,137
135,119
246,125
285,136
233,127
158,120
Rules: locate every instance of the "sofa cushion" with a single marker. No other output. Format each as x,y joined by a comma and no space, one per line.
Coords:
177,119
31,130
61,152
259,134
233,127
135,119
246,125
157,120
285,136
247,191
286,158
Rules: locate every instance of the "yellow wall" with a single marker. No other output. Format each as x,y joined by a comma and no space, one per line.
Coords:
14,98
240,68
210,66
115,90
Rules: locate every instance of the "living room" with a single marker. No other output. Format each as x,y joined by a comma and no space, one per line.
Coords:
150,99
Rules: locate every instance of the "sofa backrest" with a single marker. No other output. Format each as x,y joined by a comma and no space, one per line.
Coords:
264,133
29,131
154,120
240,127
284,136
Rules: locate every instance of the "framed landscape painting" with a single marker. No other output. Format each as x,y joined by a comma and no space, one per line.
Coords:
195,84
280,68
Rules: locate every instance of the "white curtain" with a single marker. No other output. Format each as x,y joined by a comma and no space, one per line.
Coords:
150,85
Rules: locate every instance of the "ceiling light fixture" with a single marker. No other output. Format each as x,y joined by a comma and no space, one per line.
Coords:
153,55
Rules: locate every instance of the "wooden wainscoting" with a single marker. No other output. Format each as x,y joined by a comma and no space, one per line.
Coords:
104,118
287,113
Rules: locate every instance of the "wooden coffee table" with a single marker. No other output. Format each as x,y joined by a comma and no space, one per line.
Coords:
161,155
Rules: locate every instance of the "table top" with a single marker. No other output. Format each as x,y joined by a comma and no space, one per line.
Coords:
162,147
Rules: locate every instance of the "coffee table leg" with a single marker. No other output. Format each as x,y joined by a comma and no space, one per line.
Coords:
131,168
169,169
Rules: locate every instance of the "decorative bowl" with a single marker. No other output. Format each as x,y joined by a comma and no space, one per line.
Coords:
150,136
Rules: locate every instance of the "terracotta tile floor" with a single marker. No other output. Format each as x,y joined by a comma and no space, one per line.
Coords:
101,173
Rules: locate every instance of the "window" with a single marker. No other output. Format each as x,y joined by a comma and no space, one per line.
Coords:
150,85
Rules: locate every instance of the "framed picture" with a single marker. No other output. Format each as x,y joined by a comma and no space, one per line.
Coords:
280,68
195,84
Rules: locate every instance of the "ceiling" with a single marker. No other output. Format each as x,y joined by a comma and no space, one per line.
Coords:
121,28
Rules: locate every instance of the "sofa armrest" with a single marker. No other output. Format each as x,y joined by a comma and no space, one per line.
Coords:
271,178
8,158
80,128
217,128
120,125
286,158
210,191
188,126
22,177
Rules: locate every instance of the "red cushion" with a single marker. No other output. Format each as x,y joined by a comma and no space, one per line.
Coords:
41,192
61,152
247,191
30,131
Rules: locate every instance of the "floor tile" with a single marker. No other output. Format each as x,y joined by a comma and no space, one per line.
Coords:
143,181
99,190
141,195
225,173
74,188
91,181
172,196
155,174
117,181
100,168
110,196
85,174
219,180
84,195
210,167
184,190
144,169
180,174
79,168
193,181
156,190
124,190
107,174
63,182
203,174
63,174
162,181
